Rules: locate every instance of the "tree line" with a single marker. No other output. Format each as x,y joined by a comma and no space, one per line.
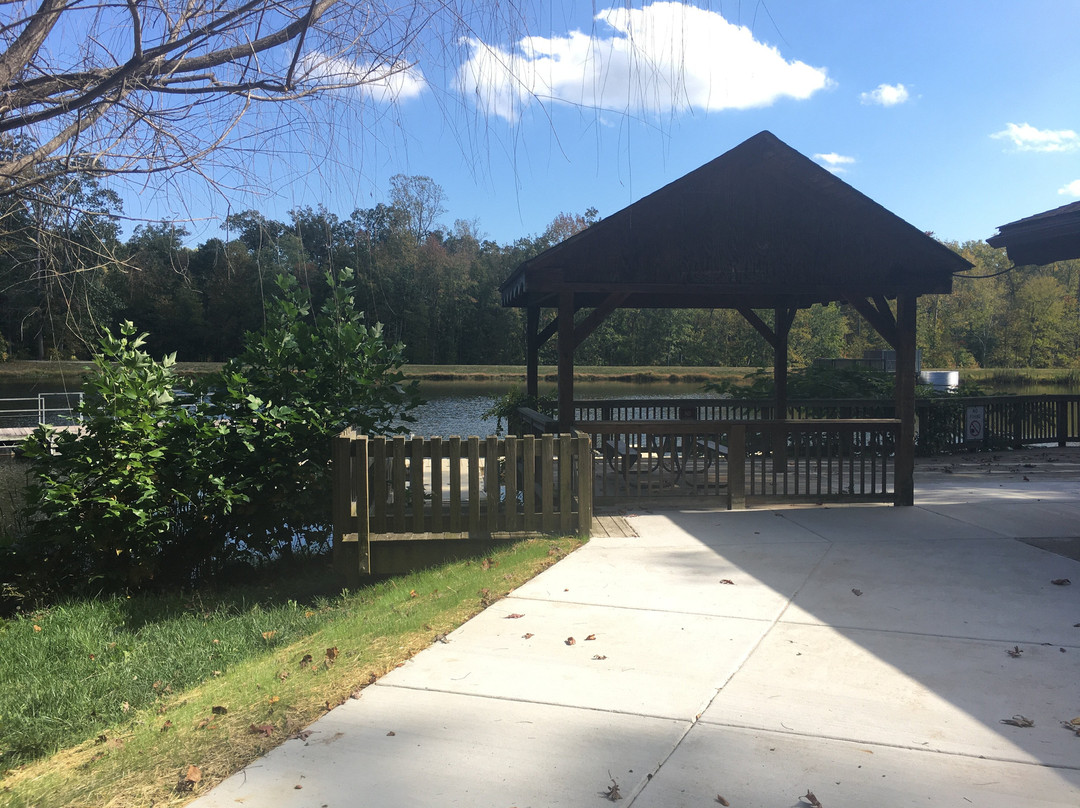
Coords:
66,276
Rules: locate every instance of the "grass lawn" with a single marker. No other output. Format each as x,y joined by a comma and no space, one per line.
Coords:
110,702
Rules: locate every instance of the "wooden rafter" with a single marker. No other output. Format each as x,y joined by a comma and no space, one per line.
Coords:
597,316
878,313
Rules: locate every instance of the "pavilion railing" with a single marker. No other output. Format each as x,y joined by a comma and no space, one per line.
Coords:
941,423
743,462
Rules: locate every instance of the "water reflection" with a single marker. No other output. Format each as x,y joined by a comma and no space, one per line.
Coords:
456,408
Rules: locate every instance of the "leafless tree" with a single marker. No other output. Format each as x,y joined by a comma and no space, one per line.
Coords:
151,86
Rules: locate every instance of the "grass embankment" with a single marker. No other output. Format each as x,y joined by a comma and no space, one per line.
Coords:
57,372
133,692
585,373
71,372
1061,377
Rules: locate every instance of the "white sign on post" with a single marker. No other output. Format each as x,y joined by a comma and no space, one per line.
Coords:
975,424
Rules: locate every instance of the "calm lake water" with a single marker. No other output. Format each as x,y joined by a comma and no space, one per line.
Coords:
456,408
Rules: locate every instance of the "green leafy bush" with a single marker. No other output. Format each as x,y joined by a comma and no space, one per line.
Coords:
304,378
164,487
109,504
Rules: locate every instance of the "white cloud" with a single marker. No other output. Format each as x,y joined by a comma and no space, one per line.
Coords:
663,58
1070,188
886,95
1026,137
834,162
383,82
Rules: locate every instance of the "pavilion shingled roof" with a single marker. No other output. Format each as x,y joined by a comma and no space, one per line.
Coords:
759,226
1044,238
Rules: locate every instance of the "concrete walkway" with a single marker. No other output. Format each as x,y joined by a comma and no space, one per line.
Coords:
743,659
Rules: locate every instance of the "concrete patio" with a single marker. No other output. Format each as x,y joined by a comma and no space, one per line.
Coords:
744,659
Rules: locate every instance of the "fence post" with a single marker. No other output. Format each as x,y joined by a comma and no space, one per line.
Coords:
341,504
351,550
584,459
492,489
1062,421
1017,425
737,468
361,470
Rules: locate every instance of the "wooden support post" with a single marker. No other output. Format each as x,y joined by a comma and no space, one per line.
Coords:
904,484
584,460
532,351
1062,421
783,317
736,459
566,361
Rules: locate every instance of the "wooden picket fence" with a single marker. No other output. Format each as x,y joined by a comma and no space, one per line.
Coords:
446,490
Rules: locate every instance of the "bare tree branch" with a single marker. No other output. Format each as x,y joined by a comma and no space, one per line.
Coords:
126,95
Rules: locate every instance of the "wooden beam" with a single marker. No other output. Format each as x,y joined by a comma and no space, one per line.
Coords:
532,351
566,361
783,316
905,399
597,316
880,319
548,332
552,328
759,325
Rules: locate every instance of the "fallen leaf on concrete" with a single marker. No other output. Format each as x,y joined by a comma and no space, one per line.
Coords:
727,581
528,635
1061,582
1073,726
261,729
590,637
721,800
513,616
613,792
810,798
391,734
188,781
1014,652
599,656
571,641
1018,721
302,735
441,638
856,592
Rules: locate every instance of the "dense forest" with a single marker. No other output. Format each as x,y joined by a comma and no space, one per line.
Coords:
65,274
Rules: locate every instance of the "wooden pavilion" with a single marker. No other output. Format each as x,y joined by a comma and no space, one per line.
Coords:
1044,238
761,227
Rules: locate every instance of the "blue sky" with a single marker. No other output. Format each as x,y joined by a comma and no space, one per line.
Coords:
957,116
